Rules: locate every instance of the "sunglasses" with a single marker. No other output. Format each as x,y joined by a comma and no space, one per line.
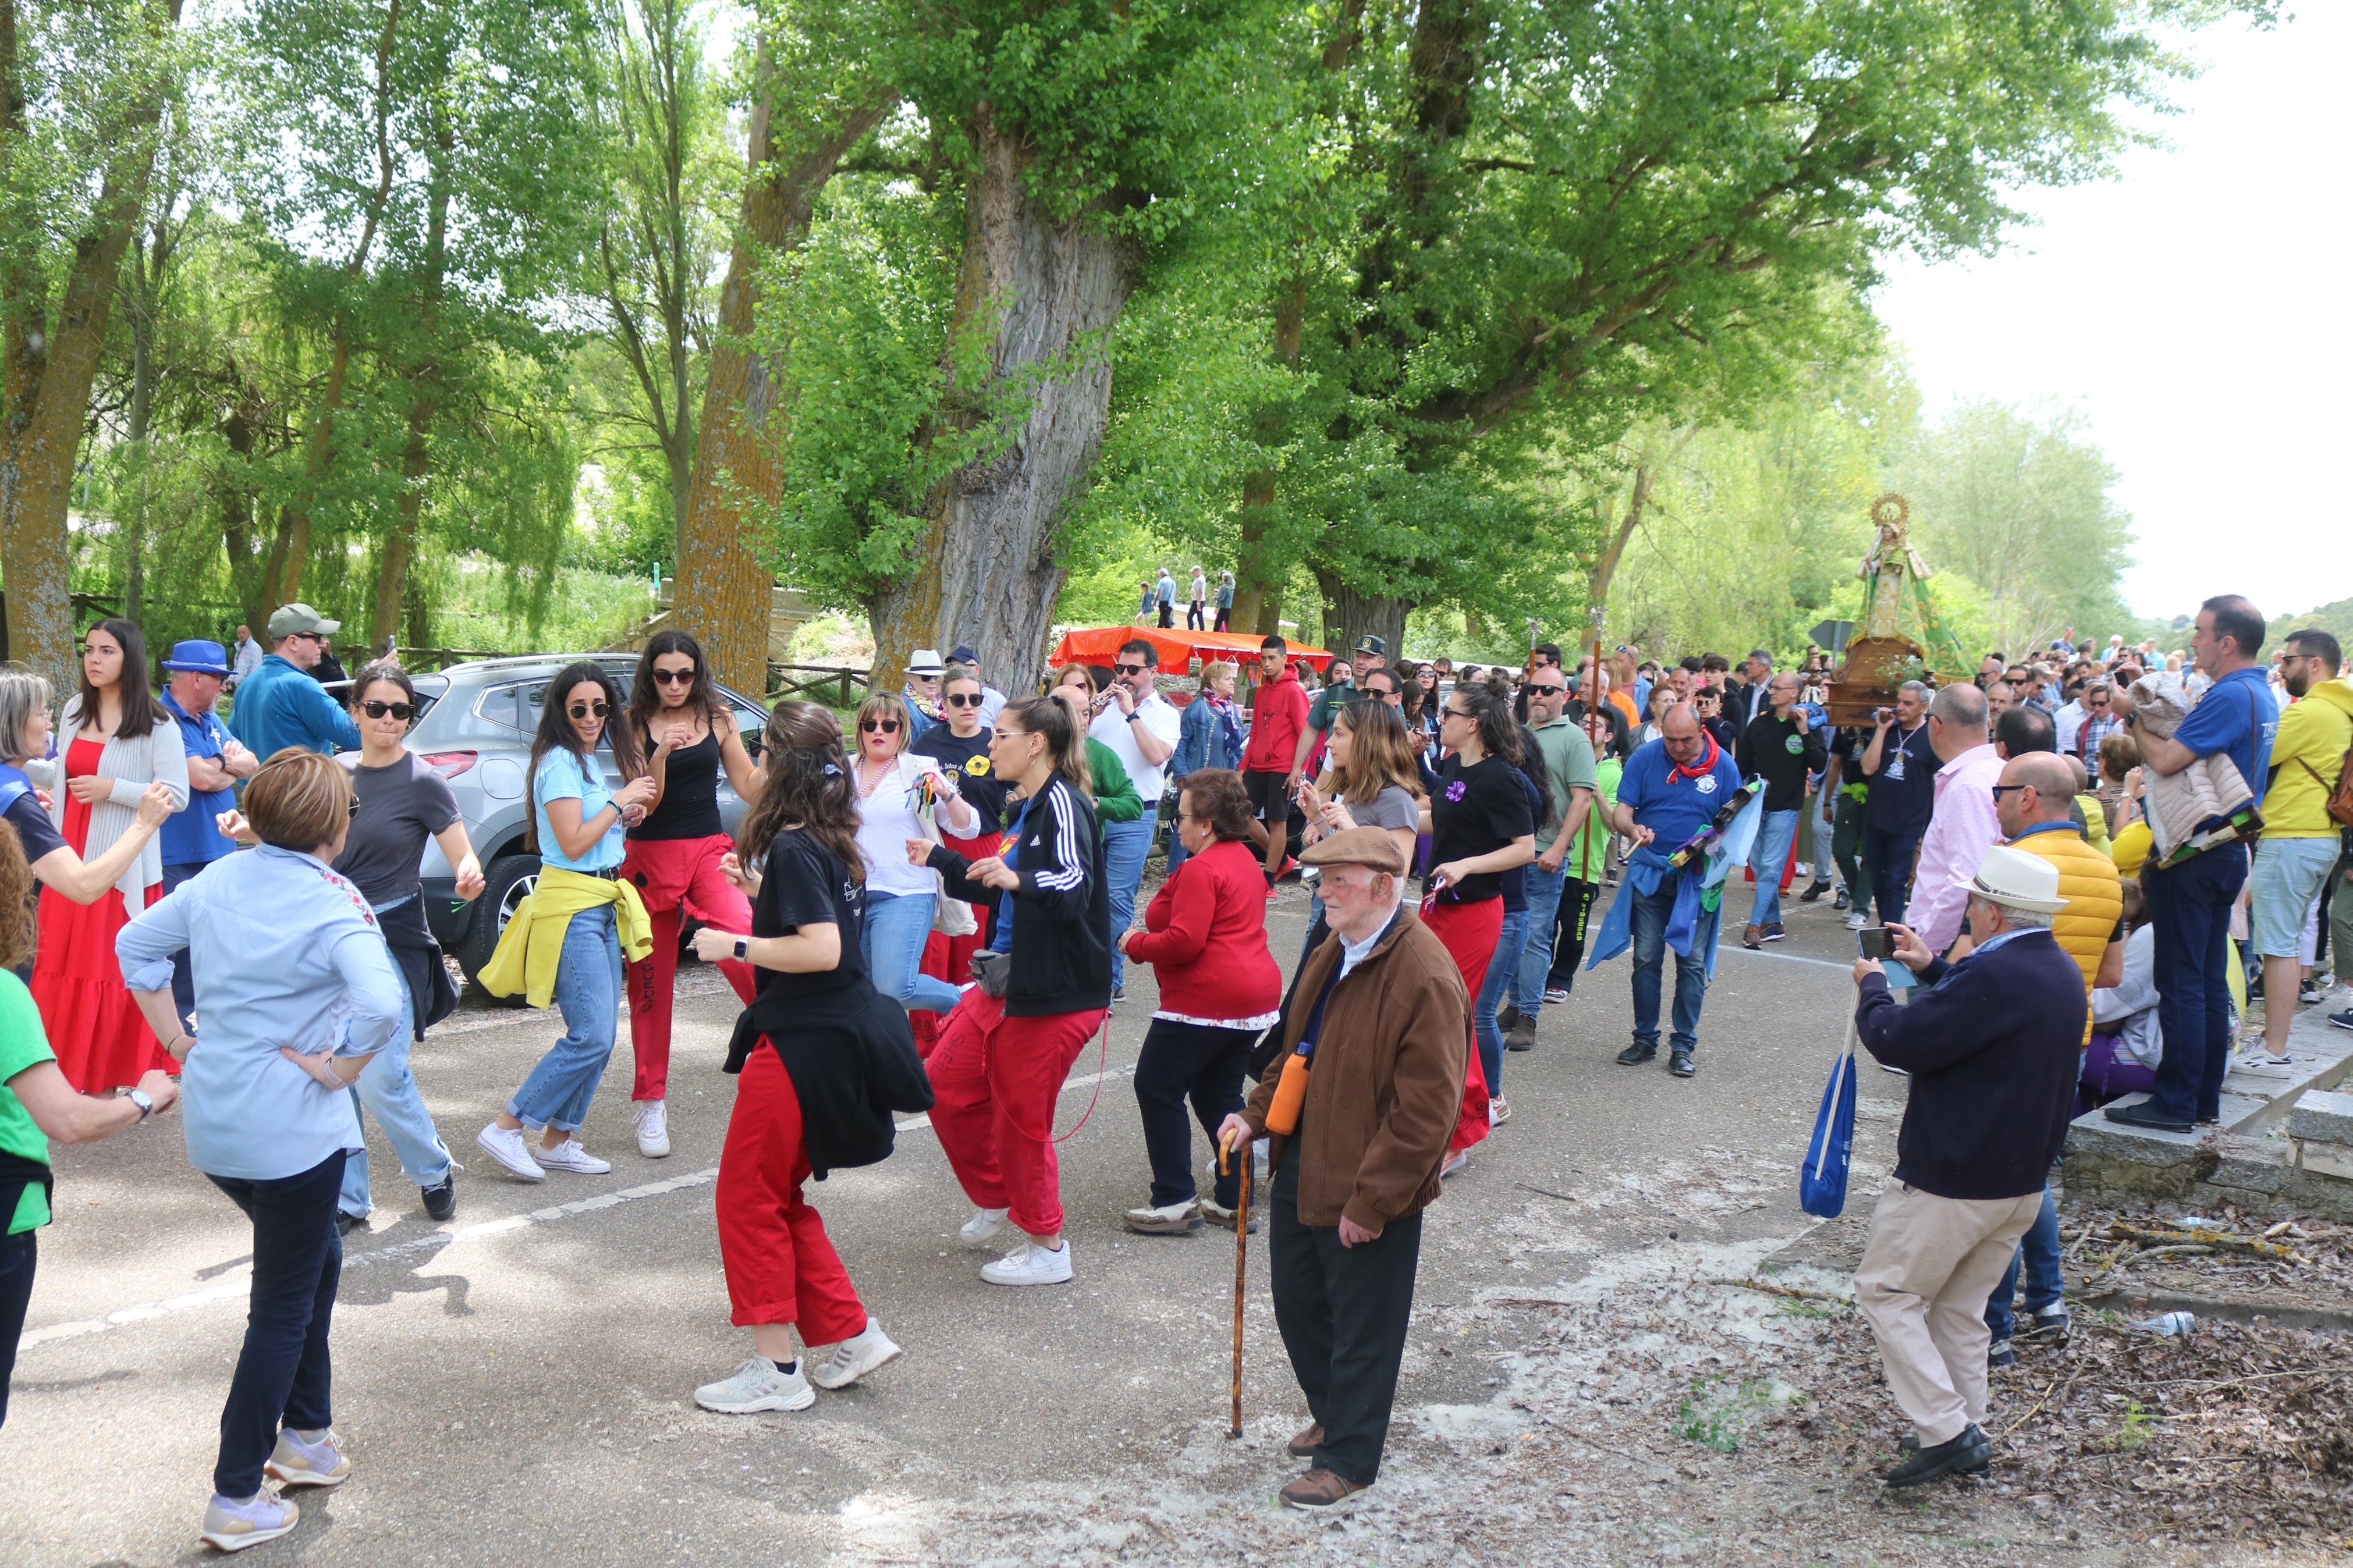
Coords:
1452,712
354,809
963,700
884,726
404,712
1130,668
1546,686
2000,790
586,709
674,677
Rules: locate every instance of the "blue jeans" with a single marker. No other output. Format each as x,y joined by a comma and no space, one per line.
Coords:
2190,907
588,994
283,1375
1502,971
1544,891
1770,854
183,980
1125,844
1178,853
2039,1247
387,1088
897,926
1887,858
1649,932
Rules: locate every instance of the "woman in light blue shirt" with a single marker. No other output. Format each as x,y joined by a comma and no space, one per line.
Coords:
580,825
297,993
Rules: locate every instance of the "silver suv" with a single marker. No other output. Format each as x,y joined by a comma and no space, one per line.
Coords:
475,731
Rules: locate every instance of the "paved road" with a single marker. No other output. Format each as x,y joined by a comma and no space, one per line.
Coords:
515,1386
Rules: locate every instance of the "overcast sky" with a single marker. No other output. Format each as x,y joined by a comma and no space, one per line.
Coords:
2199,309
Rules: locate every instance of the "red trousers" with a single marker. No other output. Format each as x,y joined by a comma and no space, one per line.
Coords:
949,958
781,1267
994,1083
674,876
1469,933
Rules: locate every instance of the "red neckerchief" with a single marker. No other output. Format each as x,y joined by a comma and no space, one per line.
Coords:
1706,762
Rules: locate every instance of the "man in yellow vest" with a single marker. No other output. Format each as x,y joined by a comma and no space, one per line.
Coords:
2033,801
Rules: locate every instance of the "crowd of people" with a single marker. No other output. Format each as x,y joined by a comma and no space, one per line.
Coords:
934,910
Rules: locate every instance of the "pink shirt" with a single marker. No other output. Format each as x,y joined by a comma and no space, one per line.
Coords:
1966,824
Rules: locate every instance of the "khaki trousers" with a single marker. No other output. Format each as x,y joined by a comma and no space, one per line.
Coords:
1923,1283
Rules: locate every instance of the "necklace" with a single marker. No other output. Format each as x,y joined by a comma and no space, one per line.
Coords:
865,789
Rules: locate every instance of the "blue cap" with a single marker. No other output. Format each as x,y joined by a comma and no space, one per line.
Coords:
199,658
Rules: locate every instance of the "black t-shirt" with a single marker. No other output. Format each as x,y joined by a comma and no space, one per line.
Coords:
1771,748
35,831
401,806
804,885
1477,810
690,802
1847,746
967,758
1903,790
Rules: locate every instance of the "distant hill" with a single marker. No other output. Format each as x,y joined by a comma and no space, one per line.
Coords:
2335,618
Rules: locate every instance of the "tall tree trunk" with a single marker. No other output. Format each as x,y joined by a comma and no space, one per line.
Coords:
416,452
1349,614
722,583
1259,581
1605,565
246,566
46,368
1049,295
400,544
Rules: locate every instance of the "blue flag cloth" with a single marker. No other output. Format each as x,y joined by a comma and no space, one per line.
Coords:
1698,888
1821,1180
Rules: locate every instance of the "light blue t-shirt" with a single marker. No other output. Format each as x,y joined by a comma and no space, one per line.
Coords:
560,776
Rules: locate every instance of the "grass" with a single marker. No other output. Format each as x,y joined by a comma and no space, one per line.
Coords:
1720,1411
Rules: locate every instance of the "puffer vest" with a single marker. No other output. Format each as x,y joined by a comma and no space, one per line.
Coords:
2094,895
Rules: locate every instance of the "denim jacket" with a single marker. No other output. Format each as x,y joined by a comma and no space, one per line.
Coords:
1206,738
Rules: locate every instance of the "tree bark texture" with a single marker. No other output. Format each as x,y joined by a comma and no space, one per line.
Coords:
1258,581
724,582
1605,567
1048,294
1350,614
49,365
399,548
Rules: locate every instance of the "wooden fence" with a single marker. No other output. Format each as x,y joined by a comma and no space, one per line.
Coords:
799,680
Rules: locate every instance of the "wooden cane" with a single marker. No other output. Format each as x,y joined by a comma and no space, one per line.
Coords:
1242,1255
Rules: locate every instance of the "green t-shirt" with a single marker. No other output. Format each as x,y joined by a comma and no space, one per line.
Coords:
1590,856
1338,694
1567,764
23,1044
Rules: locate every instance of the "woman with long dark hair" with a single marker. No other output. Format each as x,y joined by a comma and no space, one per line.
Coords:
825,1061
960,747
24,731
565,942
117,740
1482,830
402,801
1007,1048
685,731
297,993
1372,778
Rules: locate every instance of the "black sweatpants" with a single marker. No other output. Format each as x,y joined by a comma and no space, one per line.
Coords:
1204,1063
1343,1311
1568,939
20,1255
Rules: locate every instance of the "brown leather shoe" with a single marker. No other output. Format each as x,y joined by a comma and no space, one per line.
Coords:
1748,938
1303,1447
1320,1491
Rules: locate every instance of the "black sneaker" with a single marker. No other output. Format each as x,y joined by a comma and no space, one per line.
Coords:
1841,902
1971,1453
2341,1020
1680,1064
2001,1354
1119,993
347,1223
2143,1113
441,1199
1635,1055
1774,933
2053,1325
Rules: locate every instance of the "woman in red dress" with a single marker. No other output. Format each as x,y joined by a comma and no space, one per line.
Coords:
117,740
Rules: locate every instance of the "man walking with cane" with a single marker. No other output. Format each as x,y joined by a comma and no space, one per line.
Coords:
1359,1110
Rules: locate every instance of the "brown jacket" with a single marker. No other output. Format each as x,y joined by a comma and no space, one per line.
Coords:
1387,1083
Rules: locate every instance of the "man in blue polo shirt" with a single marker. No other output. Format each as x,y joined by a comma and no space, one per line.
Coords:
2189,903
1671,791
190,838
280,704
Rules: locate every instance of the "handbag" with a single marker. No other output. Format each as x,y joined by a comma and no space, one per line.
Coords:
950,917
1821,1180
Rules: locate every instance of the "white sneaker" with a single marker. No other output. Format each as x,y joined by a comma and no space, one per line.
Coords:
840,1366
983,1226
653,1127
569,1155
2263,1064
1802,871
1856,923
757,1385
300,1461
1455,1162
232,1526
1497,1112
508,1146
1030,1264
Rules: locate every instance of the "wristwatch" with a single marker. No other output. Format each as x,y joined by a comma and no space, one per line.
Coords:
742,949
139,1098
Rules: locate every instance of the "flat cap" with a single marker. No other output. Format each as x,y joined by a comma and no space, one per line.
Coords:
1357,846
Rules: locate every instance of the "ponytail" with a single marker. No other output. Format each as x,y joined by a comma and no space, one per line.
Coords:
1066,742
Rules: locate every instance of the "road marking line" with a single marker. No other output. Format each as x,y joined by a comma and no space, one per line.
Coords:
239,1286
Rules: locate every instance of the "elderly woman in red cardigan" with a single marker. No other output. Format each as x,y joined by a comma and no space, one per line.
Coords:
1205,936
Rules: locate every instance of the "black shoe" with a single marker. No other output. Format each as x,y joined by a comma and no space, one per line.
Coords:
1841,902
1813,894
2341,1020
441,1199
1635,1055
1119,993
1523,1035
347,1223
1680,1064
2053,1326
2001,1354
2144,1114
1507,1016
1969,1454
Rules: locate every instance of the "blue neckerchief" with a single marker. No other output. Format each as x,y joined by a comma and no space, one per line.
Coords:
13,784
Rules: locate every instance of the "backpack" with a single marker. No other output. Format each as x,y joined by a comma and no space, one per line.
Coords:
2340,795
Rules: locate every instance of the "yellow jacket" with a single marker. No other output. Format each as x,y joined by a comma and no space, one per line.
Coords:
2094,895
533,943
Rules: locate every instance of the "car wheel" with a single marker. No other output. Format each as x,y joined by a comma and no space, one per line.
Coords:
506,885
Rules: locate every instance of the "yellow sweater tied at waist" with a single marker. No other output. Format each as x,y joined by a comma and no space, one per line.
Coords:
533,945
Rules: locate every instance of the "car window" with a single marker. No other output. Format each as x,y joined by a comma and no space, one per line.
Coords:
498,704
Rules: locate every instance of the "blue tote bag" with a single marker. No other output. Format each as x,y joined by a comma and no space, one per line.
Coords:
1821,1181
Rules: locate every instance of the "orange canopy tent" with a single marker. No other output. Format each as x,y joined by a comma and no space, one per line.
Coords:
1099,645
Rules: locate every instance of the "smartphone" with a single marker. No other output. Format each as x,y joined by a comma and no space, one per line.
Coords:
1884,714
1876,942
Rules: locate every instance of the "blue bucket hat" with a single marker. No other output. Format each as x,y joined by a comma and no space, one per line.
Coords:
199,658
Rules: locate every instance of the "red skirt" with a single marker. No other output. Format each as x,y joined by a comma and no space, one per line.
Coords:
95,1027
1469,933
949,958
